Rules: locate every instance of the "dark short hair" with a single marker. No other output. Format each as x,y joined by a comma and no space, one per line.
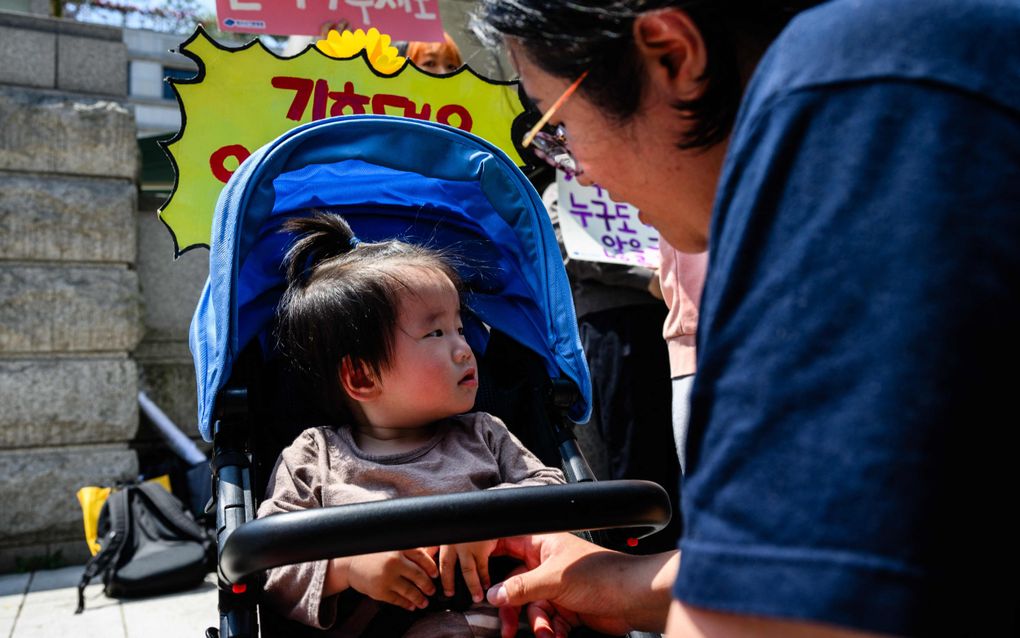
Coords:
565,39
341,300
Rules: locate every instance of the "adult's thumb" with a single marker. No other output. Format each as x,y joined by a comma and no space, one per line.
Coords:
517,590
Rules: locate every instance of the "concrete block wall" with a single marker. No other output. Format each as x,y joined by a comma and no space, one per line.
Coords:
70,303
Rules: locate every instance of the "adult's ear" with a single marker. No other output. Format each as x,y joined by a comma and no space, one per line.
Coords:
357,380
673,50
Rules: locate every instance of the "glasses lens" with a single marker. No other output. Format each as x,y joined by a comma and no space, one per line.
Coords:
553,149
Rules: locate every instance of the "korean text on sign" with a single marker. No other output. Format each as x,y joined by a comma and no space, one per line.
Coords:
597,228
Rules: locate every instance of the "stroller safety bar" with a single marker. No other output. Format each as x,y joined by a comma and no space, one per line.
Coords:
405,523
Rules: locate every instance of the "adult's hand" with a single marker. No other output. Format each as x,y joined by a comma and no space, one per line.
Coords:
586,584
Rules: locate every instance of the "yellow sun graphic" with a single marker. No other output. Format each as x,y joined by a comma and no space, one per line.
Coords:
382,56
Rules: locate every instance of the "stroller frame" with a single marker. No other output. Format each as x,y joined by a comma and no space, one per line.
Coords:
233,411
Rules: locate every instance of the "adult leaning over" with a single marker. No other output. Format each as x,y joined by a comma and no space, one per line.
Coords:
855,175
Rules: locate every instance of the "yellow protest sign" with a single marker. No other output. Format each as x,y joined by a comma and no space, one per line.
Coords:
245,97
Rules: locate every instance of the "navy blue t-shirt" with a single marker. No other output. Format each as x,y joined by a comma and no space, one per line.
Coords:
853,454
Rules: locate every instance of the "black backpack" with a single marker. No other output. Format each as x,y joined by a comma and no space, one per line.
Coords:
150,544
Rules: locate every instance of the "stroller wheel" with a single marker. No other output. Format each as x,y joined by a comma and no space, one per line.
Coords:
212,632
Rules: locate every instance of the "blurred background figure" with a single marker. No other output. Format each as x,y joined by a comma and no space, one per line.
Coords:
682,277
620,315
434,57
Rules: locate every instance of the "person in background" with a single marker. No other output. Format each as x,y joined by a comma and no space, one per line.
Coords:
682,276
852,168
435,57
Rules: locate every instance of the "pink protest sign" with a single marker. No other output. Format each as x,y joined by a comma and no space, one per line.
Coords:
400,19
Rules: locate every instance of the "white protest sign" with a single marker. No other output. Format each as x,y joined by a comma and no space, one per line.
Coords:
596,228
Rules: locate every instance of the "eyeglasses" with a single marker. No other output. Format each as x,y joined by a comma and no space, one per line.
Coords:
553,145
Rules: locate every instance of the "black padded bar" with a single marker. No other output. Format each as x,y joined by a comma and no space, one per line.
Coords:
405,523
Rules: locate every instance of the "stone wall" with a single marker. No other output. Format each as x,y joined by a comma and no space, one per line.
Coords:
70,311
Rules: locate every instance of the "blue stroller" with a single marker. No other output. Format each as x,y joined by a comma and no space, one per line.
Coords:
424,183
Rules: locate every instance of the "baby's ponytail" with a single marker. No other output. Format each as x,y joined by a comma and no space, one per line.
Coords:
320,237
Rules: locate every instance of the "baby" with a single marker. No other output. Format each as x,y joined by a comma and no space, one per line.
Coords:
375,331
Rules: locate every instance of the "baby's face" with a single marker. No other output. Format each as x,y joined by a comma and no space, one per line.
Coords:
432,374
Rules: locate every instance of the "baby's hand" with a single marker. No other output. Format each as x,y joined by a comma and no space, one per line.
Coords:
402,578
474,564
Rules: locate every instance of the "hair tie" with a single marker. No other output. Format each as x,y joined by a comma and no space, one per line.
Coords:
353,242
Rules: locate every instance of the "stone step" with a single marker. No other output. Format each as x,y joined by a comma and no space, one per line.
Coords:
48,217
69,134
68,309
62,401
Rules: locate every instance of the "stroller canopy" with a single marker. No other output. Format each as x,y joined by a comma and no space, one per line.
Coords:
390,177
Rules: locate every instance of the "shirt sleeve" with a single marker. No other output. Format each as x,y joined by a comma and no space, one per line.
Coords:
295,485
518,467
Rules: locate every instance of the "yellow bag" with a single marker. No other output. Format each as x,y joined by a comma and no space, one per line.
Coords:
92,498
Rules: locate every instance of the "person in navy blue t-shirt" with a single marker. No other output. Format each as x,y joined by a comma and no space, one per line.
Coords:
854,170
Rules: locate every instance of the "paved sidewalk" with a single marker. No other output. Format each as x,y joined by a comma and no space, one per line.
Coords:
42,603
